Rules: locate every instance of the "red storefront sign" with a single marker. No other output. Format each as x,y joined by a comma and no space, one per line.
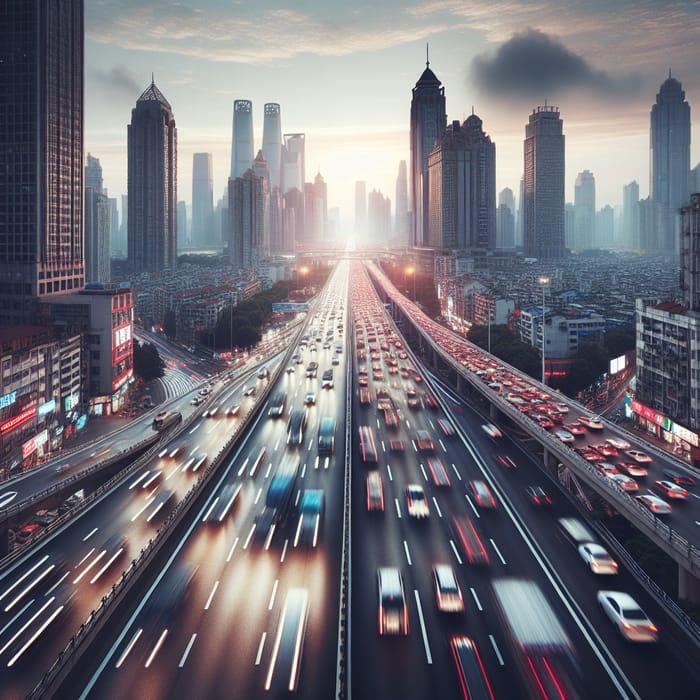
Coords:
19,419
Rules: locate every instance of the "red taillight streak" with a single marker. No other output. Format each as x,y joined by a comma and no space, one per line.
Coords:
554,678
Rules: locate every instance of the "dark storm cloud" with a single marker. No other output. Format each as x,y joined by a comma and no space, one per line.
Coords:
532,64
118,79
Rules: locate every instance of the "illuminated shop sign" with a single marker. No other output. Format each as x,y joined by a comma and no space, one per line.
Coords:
19,419
8,399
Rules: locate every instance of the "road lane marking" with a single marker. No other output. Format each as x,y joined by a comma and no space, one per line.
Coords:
422,468
496,649
471,505
268,470
428,655
187,650
233,547
129,647
442,444
156,648
388,469
408,555
437,507
211,596
90,534
260,649
273,594
257,496
284,551
476,599
107,565
498,551
398,508
303,470
195,428
454,549
459,476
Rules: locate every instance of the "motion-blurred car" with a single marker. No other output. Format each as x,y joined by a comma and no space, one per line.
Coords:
679,478
537,496
482,494
576,429
626,483
597,558
565,436
672,490
655,504
447,592
591,422
375,492
638,456
618,443
416,502
491,430
632,469
625,613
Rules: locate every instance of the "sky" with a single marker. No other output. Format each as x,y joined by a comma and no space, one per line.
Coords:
343,74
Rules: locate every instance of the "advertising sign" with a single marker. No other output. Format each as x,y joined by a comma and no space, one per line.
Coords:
19,419
8,399
28,447
46,408
81,422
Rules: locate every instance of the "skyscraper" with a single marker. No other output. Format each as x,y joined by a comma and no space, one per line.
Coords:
401,224
428,122
152,183
293,163
247,207
543,200
272,142
462,188
202,228
378,217
584,211
630,215
669,174
182,238
361,208
41,154
505,220
93,174
319,211
690,254
97,224
605,228
242,140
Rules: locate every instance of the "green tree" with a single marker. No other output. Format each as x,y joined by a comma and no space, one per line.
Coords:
147,361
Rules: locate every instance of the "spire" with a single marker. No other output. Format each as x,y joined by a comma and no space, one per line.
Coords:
153,78
427,55
669,73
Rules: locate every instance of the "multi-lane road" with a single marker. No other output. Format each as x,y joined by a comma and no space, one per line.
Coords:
246,601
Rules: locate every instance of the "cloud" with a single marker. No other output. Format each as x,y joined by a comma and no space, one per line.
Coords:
117,79
532,64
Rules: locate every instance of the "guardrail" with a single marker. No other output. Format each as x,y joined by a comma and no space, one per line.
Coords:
681,550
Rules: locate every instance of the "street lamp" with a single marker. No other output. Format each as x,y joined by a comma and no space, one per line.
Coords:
411,272
544,281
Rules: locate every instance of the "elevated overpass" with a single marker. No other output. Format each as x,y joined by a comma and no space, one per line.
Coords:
448,352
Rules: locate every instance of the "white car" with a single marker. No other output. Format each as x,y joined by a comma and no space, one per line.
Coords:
626,483
591,422
672,490
655,504
561,407
638,456
618,443
597,558
625,613
565,436
310,398
491,430
250,391
416,501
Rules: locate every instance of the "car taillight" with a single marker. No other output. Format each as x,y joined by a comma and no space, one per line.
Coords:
653,628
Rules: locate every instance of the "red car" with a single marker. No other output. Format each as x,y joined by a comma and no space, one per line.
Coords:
544,422
575,429
589,454
606,450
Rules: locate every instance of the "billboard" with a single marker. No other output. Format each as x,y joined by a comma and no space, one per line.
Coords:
19,419
618,364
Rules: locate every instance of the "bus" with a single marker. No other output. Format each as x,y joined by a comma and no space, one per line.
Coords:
326,436
367,447
165,419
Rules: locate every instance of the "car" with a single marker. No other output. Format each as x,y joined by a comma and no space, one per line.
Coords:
591,422
561,407
589,454
597,558
213,412
576,429
290,369
470,669
606,449
447,592
429,401
606,469
537,496
393,611
565,436
672,490
249,391
326,346
655,504
233,410
626,614
335,360
63,468
424,441
626,483
413,402
618,443
438,472
375,492
632,469
482,494
396,445
416,502
506,461
638,456
491,430
446,427
679,478
544,422
310,398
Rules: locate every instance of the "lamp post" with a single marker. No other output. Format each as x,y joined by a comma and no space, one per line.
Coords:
544,281
411,272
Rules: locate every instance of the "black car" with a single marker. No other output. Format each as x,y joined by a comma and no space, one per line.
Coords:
679,477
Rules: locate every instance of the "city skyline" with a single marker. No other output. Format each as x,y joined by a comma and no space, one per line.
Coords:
613,59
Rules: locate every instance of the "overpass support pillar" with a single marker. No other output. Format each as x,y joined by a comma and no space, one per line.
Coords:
546,458
688,585
493,411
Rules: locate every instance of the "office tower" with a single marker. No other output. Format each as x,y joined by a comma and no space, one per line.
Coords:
543,201
41,155
242,139
308,213
695,179
152,183
276,222
505,220
605,228
93,174
690,254
520,223
293,162
401,224
428,122
202,227
272,142
182,237
361,208
262,171
669,185
123,228
247,207
378,217
584,211
294,217
319,212
114,227
97,224
462,188
569,226
630,215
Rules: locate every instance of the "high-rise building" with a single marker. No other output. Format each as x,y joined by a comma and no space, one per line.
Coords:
630,215
272,142
114,228
247,208
361,208
152,183
584,211
505,220
378,217
690,254
506,196
242,140
543,197
293,163
183,240
97,224
401,223
569,225
669,185
202,228
41,155
462,188
428,123
261,170
319,212
695,179
605,228
293,218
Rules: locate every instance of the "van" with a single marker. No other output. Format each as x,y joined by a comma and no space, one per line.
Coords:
575,531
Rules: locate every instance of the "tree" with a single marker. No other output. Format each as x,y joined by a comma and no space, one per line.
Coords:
147,361
618,341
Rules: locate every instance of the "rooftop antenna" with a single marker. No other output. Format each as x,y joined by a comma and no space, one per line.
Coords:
427,55
153,80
